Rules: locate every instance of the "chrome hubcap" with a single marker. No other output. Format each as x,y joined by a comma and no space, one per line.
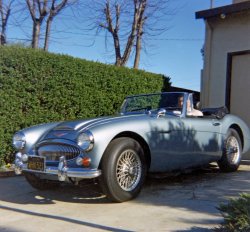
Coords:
128,170
233,149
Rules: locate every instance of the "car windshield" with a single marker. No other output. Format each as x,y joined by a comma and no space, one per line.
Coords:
172,102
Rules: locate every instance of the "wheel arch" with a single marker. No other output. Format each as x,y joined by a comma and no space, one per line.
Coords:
239,131
140,140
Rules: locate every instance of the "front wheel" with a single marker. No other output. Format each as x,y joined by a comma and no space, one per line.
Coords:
123,169
232,152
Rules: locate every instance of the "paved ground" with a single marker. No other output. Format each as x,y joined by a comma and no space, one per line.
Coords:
183,203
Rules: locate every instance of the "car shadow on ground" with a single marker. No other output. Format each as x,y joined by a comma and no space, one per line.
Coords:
207,184
22,193
199,190
172,185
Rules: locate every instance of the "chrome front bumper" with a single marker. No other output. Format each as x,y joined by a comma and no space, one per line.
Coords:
62,171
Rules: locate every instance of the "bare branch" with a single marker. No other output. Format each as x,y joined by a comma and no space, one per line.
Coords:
31,9
118,12
109,17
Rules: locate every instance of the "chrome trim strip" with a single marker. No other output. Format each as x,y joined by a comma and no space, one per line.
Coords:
71,172
57,141
53,152
62,171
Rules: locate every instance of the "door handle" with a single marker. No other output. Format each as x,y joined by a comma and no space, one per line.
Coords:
165,132
215,123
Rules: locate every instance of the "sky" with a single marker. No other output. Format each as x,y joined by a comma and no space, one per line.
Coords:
176,53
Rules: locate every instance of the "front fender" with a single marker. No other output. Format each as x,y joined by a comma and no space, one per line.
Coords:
232,120
104,134
35,133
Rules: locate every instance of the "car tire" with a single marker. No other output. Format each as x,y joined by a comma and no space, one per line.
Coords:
123,169
40,184
232,152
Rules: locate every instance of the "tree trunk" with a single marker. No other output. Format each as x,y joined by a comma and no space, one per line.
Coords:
139,9
47,35
3,29
35,6
2,41
131,38
138,45
54,10
36,34
118,59
5,13
138,50
139,35
3,36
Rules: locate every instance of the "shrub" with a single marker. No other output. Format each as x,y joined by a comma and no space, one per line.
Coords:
236,214
38,87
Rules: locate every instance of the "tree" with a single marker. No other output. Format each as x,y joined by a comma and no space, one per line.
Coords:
5,9
53,11
45,10
38,11
114,28
139,34
130,23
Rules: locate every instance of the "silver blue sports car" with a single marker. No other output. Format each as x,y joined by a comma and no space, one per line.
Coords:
152,133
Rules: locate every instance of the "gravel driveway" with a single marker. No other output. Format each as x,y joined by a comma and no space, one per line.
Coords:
185,202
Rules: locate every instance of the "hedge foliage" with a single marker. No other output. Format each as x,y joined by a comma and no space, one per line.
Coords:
38,87
236,214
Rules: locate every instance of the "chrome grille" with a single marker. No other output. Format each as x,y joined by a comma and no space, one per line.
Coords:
54,151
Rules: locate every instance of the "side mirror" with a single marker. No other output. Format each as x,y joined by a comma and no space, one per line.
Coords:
198,105
161,112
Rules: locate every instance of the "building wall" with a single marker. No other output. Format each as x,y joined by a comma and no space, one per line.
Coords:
224,34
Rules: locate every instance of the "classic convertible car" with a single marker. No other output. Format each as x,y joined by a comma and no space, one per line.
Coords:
153,133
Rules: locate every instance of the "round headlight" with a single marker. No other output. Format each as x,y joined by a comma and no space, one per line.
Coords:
86,141
19,140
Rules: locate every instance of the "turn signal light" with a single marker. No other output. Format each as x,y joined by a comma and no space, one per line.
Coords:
86,161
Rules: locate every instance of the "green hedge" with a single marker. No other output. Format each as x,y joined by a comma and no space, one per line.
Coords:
236,214
37,87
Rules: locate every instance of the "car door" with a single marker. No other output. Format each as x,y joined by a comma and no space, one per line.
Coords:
202,141
165,142
179,143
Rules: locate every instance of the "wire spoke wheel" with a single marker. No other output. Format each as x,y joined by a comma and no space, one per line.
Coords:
232,149
124,169
128,170
232,152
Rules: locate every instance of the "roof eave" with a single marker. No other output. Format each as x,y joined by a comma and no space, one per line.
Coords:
229,9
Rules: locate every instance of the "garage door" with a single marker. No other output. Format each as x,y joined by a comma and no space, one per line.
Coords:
240,87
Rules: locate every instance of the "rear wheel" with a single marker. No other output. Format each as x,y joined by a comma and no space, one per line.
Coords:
123,169
232,152
40,184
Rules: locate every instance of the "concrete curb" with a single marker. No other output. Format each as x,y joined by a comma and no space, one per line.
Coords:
7,174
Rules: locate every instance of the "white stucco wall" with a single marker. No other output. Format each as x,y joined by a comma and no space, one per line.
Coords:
223,35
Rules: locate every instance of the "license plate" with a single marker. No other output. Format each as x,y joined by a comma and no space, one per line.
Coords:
36,163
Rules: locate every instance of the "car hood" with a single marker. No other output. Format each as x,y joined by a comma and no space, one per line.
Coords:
84,124
71,129
81,124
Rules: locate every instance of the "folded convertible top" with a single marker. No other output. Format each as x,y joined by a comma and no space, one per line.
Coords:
218,113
